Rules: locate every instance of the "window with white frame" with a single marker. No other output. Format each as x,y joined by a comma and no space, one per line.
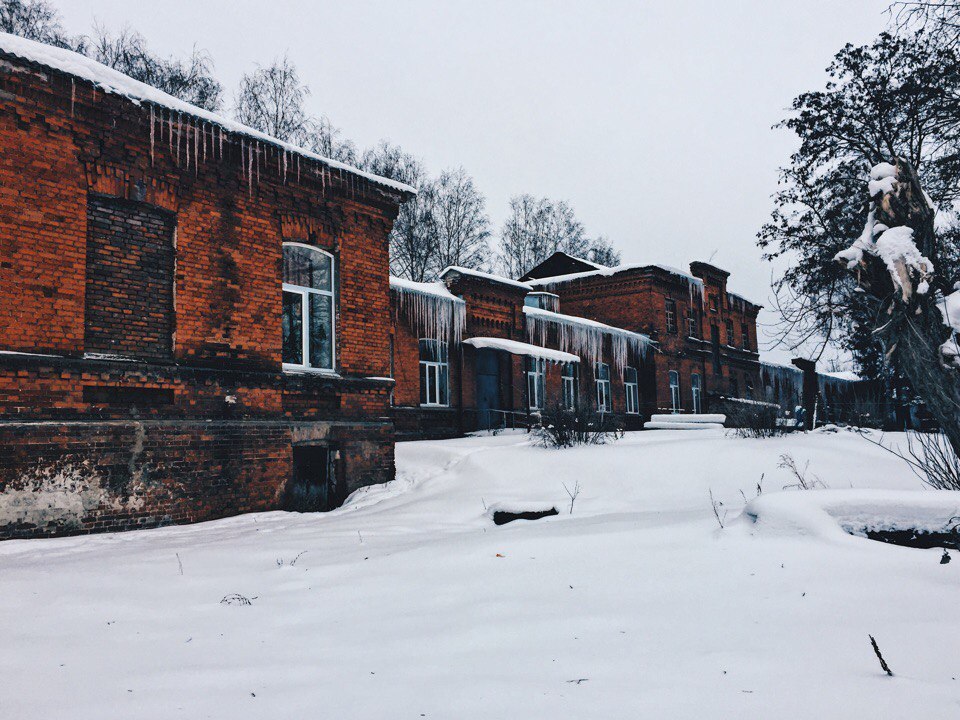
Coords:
309,337
696,391
536,382
674,391
632,390
434,373
602,374
568,376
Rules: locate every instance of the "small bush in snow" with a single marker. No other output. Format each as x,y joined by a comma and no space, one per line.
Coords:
930,456
754,420
805,479
559,427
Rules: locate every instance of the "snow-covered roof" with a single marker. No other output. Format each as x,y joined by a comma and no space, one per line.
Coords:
521,348
112,81
487,276
549,315
603,271
434,289
743,299
430,309
845,375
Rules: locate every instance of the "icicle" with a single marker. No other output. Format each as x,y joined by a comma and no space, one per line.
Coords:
431,311
205,143
220,135
152,131
250,170
243,158
73,94
584,337
284,167
258,164
179,133
298,169
186,144
170,129
196,148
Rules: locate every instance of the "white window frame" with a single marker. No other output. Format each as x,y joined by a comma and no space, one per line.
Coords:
632,392
604,401
305,292
536,382
696,391
435,366
674,379
670,316
569,386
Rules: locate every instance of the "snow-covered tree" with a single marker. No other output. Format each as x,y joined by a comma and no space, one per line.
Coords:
190,79
916,308
895,97
460,222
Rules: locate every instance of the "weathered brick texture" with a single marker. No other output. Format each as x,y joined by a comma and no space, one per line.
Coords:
127,230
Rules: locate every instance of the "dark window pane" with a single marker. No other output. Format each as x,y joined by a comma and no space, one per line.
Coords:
444,390
307,268
293,328
321,331
424,376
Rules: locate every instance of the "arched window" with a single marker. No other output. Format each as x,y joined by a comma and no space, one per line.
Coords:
309,339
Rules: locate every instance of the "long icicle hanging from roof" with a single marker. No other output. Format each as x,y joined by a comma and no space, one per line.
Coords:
431,310
583,338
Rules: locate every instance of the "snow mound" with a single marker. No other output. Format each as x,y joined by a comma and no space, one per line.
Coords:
835,514
698,418
660,425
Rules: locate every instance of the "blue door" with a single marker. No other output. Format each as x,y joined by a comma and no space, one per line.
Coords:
488,388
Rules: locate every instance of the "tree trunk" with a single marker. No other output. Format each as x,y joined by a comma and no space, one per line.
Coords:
910,322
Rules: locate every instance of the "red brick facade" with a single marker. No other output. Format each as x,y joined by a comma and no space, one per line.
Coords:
140,314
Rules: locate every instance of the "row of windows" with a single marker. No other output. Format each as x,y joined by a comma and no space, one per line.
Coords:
696,392
693,325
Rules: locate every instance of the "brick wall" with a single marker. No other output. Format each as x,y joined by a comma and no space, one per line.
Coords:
129,292
97,197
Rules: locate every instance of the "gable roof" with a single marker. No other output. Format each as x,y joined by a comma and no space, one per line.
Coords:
561,263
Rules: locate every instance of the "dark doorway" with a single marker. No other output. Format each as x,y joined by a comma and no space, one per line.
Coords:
488,388
715,347
313,486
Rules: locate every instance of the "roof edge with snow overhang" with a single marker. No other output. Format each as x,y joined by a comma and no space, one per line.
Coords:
115,82
468,272
515,347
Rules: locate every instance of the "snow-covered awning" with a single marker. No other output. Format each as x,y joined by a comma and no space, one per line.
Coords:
112,81
584,336
431,309
520,348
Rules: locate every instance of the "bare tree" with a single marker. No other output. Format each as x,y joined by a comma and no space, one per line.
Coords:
413,247
939,18
460,221
271,99
534,230
326,139
36,20
602,252
190,79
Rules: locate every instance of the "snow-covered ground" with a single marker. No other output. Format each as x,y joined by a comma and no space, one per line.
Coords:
409,602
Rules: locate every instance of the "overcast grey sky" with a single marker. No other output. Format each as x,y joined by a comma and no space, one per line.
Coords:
652,118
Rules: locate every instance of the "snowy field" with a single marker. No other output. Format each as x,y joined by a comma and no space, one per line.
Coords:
409,602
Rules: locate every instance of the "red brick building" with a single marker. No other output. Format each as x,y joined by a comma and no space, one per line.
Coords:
501,353
194,318
706,335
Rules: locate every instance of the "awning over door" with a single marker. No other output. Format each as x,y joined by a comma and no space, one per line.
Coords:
521,348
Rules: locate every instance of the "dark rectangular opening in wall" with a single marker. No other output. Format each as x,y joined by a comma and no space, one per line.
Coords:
141,397
312,487
129,292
